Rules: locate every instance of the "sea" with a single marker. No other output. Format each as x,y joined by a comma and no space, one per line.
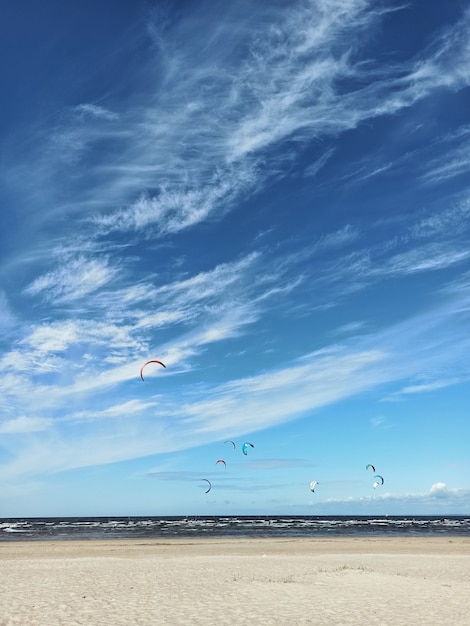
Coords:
240,526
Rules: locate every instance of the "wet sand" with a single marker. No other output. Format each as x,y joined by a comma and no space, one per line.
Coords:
389,581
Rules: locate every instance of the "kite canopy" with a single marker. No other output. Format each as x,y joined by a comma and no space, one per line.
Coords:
245,447
221,461
151,361
369,465
379,477
232,442
207,481
313,485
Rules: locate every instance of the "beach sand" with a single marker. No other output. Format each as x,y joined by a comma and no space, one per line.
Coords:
389,581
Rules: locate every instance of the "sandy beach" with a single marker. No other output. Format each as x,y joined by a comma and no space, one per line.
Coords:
384,581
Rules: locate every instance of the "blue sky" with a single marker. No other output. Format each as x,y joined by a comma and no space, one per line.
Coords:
274,200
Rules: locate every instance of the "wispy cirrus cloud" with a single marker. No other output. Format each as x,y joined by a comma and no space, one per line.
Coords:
449,222
58,336
425,258
124,409
431,243
453,159
424,387
72,280
437,161
431,386
316,166
96,111
379,422
23,425
208,284
174,210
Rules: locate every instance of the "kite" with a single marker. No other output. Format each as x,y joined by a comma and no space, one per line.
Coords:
151,361
232,442
373,468
381,478
313,485
207,481
245,447
222,461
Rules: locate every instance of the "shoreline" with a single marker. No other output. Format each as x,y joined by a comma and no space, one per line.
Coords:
451,544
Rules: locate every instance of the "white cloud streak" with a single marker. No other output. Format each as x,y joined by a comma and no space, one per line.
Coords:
73,280
96,111
23,424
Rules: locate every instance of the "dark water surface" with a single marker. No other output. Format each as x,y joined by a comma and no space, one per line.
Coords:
30,529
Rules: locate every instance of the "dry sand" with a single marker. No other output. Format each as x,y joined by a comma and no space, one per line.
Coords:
384,581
